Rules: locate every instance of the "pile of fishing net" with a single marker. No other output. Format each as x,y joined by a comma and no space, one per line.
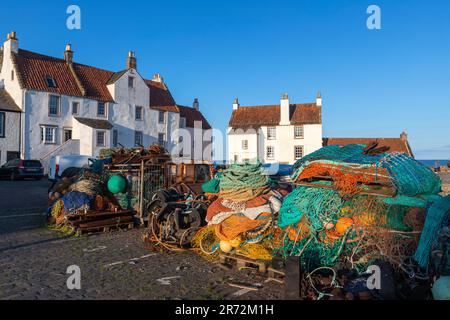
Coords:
241,219
87,193
134,155
340,213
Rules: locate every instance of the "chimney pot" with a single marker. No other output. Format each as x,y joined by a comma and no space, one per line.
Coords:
196,105
236,104
68,54
131,61
319,99
404,136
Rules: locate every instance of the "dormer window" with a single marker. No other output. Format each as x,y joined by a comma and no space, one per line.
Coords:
51,83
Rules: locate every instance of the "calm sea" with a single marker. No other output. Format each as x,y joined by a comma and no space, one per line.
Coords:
431,163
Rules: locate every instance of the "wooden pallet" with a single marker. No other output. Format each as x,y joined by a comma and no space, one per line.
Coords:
242,262
275,275
107,228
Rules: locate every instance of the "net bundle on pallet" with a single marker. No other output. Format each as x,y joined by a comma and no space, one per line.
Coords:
353,206
240,220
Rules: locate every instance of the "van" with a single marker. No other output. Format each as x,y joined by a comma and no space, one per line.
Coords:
58,164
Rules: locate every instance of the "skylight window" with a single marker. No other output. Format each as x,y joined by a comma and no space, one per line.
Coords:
51,83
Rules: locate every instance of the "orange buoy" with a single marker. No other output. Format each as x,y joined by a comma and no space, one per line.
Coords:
343,224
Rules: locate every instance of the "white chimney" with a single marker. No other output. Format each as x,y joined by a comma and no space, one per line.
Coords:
196,105
157,78
319,99
236,104
11,43
284,110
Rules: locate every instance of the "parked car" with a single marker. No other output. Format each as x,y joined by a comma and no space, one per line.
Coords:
21,169
58,164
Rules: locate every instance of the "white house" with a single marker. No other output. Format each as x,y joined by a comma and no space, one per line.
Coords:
72,108
275,133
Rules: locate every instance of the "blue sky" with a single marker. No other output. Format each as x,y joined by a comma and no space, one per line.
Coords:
374,83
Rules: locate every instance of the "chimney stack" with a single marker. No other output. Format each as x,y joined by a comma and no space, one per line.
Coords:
404,136
284,110
68,54
196,105
319,99
236,104
157,78
12,43
131,61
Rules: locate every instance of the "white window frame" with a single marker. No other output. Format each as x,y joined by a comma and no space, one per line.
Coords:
139,134
302,152
63,139
244,144
105,115
300,128
140,113
271,135
131,82
163,113
97,142
76,103
182,122
270,155
2,124
43,132
58,106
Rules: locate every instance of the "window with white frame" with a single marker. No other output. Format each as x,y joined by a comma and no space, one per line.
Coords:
2,124
101,138
75,108
138,138
244,144
298,132
298,152
130,82
161,117
115,139
161,139
48,134
53,106
67,134
101,109
182,122
270,152
271,133
138,113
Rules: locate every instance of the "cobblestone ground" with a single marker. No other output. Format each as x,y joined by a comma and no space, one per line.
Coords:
34,260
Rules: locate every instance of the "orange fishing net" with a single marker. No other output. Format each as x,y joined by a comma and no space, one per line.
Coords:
235,225
346,179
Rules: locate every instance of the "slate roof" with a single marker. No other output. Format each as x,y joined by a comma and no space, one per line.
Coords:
7,103
95,123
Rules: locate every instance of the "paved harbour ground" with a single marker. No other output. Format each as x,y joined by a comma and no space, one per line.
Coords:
34,260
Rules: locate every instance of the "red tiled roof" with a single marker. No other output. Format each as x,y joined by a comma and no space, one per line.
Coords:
82,81
159,94
93,81
191,115
395,144
33,69
308,113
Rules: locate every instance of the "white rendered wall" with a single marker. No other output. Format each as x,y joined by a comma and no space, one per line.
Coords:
12,135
